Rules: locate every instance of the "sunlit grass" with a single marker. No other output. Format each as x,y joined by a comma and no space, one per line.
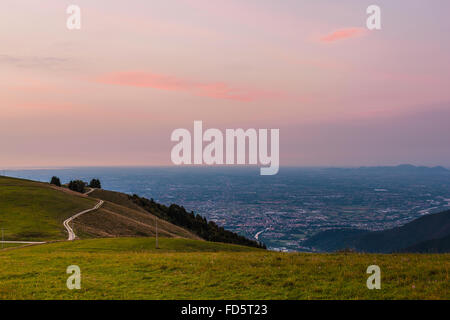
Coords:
131,268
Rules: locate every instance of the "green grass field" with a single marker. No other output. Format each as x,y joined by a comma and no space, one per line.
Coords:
10,245
33,211
131,268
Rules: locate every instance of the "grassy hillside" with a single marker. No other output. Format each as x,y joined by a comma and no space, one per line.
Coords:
34,211
117,198
113,220
131,268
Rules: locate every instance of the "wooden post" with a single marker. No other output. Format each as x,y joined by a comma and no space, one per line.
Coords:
157,245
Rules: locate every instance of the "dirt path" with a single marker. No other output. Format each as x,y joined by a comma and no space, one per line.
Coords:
23,242
91,190
69,229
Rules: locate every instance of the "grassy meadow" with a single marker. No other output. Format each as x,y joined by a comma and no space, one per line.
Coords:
11,245
131,268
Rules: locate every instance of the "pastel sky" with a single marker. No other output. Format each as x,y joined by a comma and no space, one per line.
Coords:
112,92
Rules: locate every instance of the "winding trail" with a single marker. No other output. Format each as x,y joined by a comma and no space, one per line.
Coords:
67,221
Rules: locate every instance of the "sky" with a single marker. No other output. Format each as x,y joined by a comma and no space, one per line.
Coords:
111,93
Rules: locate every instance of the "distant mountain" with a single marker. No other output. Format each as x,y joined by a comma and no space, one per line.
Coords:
440,245
415,235
400,169
408,168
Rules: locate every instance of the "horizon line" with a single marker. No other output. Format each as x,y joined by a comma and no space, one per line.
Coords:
13,168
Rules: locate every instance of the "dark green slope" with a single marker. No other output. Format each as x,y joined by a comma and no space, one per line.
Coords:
423,229
441,245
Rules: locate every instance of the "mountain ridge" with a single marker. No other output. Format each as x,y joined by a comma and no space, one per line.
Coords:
419,231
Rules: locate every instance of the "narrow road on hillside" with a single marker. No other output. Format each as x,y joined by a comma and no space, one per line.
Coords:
23,242
67,221
91,190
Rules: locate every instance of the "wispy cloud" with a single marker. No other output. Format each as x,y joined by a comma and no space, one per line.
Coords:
31,62
342,34
216,90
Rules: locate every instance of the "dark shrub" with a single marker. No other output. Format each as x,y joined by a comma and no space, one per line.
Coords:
95,183
56,181
77,185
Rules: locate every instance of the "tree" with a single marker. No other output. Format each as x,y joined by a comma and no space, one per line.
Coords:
77,185
55,180
95,183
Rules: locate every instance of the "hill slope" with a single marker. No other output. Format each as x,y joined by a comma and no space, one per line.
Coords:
35,211
113,220
429,227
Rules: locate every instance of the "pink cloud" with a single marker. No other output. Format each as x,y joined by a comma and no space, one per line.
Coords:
342,34
216,90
